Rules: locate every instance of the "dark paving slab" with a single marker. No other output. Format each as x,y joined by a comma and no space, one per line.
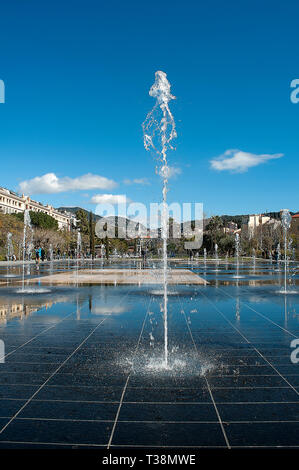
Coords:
263,434
28,368
293,379
154,434
23,378
23,358
69,410
245,395
168,412
88,379
19,391
260,412
174,395
8,408
77,393
61,432
247,381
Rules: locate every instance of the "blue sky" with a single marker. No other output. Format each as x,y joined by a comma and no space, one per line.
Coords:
77,76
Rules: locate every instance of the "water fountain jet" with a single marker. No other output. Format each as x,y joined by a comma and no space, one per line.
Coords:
158,133
9,255
237,254
286,223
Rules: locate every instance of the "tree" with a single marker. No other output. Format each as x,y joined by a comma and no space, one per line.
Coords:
83,222
10,224
91,235
214,229
227,244
40,220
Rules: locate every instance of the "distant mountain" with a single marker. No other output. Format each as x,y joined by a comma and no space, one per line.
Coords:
122,223
75,209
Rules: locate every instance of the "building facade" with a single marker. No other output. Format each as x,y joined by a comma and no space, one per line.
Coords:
255,221
12,203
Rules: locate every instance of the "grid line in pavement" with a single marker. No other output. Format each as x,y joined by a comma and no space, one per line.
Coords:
249,342
207,383
128,378
50,377
36,336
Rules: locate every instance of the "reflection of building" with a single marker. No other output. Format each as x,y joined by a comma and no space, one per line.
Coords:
12,203
8,312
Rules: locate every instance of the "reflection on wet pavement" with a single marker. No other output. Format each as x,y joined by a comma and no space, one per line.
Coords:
83,364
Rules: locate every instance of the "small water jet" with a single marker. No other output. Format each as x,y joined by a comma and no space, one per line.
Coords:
51,252
9,255
253,258
158,133
286,223
216,252
278,257
237,255
78,252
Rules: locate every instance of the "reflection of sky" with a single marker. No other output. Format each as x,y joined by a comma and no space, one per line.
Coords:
99,308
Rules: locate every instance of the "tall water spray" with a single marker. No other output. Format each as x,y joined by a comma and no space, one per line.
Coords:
286,223
158,133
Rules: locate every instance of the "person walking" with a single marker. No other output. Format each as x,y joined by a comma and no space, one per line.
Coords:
38,254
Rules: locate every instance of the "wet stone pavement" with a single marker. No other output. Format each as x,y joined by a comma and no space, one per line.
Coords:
83,365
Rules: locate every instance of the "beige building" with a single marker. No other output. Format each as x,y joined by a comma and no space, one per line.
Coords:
12,203
255,221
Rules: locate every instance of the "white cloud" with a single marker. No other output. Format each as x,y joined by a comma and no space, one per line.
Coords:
109,199
169,171
142,181
50,183
238,161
